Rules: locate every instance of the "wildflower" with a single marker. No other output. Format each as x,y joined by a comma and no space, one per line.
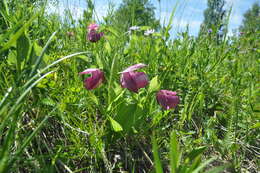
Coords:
117,157
134,80
220,33
167,99
134,28
93,27
149,32
210,31
94,36
97,77
241,33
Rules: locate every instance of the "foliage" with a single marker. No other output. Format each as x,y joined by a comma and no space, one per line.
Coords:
214,18
251,22
135,12
250,29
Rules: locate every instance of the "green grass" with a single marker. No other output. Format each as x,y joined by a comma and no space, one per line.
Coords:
50,123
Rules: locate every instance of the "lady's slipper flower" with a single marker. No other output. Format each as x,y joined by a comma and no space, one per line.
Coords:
97,77
167,99
92,27
94,36
134,80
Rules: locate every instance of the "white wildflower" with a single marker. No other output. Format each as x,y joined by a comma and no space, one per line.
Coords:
149,32
117,157
134,28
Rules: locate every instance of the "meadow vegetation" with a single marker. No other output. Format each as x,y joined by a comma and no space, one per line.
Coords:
49,122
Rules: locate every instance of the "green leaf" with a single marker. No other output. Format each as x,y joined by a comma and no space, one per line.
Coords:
99,61
11,59
154,84
23,50
93,98
16,36
115,125
175,154
143,28
195,153
256,126
84,58
109,108
130,116
48,101
113,31
39,59
108,47
218,169
158,165
203,165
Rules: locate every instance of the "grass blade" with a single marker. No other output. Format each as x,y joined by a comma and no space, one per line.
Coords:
158,165
39,59
174,153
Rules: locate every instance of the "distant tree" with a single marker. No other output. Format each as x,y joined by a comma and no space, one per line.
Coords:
214,18
251,21
250,29
135,12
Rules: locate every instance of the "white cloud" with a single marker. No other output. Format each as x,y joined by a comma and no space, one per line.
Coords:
183,23
76,11
179,24
195,10
236,19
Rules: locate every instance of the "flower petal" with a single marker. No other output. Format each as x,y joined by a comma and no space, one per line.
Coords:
93,36
89,71
93,26
134,67
141,79
134,80
167,99
96,78
128,82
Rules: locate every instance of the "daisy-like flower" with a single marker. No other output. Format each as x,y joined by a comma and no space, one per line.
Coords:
149,32
134,28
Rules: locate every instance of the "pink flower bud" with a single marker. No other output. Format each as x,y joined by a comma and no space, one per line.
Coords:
93,36
93,27
167,99
134,80
97,77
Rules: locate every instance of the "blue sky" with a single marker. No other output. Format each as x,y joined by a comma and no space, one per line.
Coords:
188,11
